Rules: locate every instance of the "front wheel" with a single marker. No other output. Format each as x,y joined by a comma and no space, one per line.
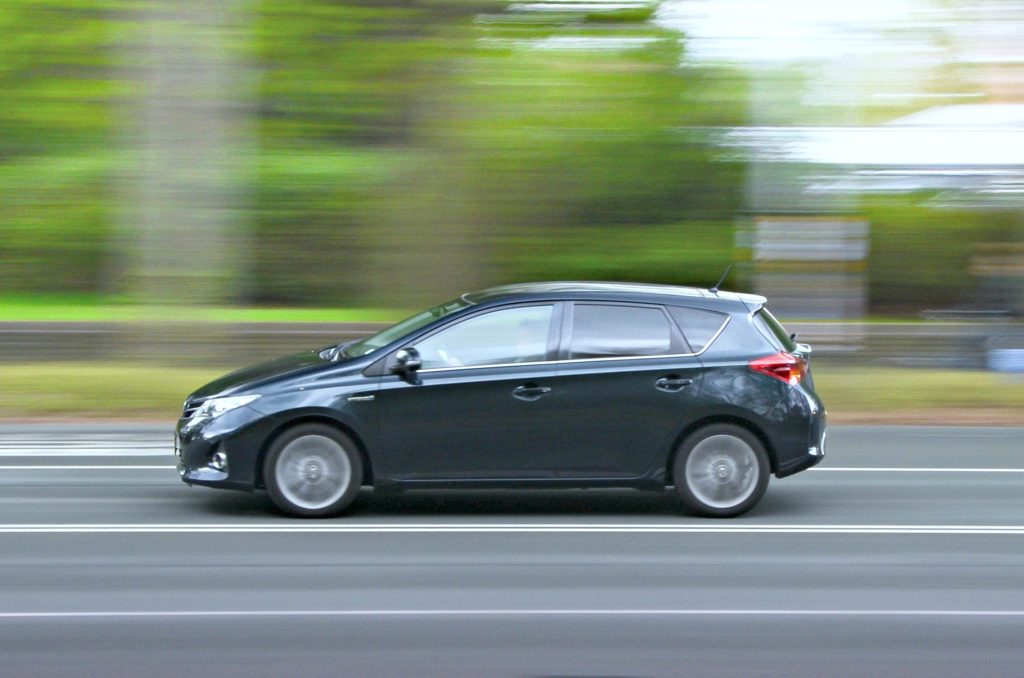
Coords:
313,470
721,471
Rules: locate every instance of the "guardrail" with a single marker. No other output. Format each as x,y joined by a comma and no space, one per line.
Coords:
962,345
216,344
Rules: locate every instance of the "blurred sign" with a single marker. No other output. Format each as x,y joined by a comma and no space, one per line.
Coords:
809,266
796,238
1006,359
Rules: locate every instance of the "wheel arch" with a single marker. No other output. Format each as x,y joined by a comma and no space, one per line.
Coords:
719,419
313,418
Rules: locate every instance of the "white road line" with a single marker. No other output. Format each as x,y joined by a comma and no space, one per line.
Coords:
163,451
44,441
88,467
501,528
57,441
510,613
50,441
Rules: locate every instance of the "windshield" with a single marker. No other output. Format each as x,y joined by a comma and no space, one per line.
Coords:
385,337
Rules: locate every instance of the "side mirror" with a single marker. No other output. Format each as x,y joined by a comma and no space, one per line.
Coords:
407,361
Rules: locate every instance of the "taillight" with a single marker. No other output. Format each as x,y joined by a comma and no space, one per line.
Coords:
783,366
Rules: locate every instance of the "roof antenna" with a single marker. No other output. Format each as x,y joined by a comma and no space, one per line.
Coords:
714,290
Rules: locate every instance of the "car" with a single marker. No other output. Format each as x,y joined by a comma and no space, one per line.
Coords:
533,385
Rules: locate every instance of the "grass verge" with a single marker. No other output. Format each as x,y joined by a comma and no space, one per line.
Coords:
70,308
920,396
97,390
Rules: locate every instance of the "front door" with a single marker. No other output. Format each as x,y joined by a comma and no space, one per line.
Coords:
481,407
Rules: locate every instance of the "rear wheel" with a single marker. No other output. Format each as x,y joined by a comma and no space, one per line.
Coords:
313,470
721,471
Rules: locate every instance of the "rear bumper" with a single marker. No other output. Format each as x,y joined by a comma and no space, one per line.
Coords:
797,465
812,454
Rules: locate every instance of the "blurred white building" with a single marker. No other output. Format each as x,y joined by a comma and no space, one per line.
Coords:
823,74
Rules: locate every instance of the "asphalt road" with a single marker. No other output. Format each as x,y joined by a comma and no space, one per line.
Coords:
902,555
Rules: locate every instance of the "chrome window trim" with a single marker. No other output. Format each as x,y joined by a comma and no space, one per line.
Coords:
587,360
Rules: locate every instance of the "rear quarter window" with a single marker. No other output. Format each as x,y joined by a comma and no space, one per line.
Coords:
697,325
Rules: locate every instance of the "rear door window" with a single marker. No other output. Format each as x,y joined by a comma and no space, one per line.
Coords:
698,326
606,330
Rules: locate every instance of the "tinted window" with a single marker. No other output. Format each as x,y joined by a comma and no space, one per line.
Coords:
600,331
698,326
774,329
513,335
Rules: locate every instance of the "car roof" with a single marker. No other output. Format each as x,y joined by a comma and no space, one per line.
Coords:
621,291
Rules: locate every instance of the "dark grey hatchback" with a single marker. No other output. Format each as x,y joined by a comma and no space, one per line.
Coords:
538,385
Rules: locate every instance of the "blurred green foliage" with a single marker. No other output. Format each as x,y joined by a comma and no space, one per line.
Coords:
392,139
921,257
56,163
402,149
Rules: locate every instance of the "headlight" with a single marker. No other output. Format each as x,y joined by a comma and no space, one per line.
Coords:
217,406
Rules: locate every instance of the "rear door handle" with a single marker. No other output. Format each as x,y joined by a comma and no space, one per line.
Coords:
672,384
530,391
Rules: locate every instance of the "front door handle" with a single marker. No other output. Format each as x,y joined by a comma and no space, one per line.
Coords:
672,383
530,391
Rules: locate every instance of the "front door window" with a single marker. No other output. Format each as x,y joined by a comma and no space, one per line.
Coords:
512,335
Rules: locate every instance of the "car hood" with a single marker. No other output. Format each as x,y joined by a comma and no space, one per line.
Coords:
256,375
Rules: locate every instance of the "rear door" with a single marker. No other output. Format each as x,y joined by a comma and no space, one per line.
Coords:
627,383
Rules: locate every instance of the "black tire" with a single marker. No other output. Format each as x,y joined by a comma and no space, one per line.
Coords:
313,471
721,471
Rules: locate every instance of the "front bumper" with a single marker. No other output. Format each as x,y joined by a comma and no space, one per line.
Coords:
205,476
238,433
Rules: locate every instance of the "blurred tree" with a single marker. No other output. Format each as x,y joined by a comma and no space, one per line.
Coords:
189,143
56,153
340,96
562,143
382,152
